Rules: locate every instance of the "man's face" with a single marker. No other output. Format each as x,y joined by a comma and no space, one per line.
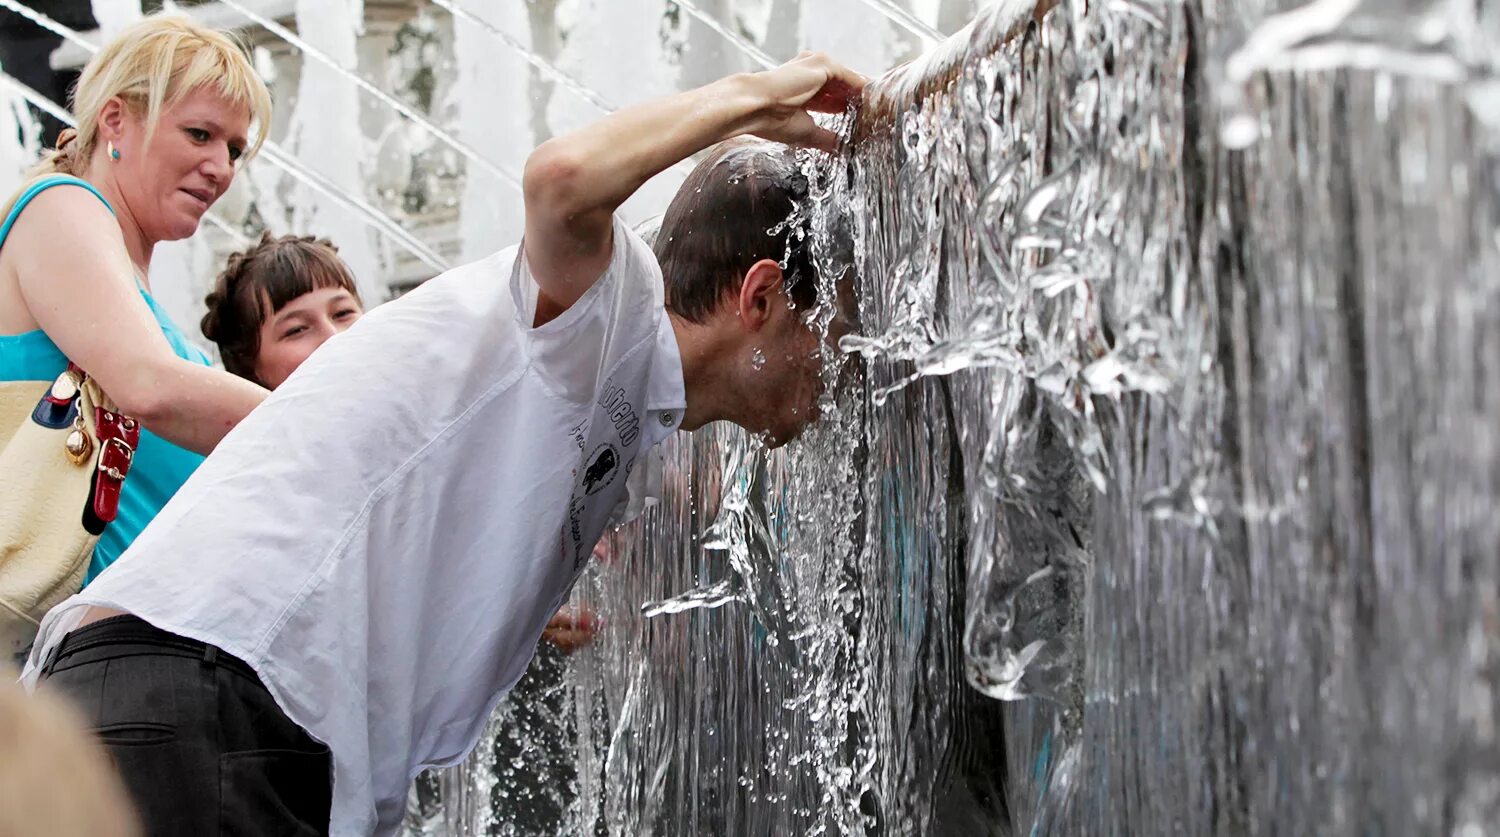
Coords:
787,377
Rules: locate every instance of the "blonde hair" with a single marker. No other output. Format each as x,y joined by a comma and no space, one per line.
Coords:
153,65
55,779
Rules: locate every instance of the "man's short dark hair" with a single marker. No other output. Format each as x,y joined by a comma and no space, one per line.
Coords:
735,209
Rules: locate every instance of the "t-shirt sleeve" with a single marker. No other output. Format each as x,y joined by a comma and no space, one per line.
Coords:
620,310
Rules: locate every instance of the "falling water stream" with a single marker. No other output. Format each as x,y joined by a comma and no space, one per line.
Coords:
1155,494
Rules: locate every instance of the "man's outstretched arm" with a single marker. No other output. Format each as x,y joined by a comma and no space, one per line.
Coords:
574,183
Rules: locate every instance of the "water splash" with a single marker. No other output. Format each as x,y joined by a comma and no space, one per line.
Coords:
715,595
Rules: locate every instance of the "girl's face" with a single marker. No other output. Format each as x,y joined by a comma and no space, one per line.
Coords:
288,336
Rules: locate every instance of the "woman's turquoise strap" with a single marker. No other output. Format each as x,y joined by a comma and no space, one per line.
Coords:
40,186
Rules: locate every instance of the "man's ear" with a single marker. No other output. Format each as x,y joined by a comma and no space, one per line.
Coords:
759,294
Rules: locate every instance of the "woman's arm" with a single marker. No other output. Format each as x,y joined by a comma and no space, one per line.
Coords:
76,280
574,183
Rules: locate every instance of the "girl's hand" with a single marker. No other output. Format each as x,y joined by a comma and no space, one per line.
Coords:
572,628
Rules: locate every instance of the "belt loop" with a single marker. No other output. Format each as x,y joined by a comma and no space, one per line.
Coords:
210,655
53,654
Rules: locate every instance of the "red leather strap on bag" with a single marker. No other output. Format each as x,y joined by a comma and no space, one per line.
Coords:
118,437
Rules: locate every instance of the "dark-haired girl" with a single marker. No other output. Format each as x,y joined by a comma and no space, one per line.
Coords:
277,302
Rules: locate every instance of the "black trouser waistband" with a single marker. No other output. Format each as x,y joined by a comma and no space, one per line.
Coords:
127,629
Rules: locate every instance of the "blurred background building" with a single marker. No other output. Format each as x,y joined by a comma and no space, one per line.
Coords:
402,125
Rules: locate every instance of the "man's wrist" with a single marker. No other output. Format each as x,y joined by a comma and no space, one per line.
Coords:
742,102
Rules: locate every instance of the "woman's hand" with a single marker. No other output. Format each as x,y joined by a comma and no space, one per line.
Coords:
810,83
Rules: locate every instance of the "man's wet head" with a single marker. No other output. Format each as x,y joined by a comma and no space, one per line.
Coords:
741,283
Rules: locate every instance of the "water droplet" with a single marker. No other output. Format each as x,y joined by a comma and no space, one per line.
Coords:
1240,131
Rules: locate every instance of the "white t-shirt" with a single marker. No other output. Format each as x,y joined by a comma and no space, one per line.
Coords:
385,538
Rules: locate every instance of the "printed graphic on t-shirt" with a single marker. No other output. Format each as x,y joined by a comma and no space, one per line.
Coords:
621,412
601,469
609,443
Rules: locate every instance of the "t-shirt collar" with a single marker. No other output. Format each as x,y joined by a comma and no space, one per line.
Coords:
665,393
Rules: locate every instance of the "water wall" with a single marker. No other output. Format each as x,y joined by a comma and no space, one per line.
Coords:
1155,495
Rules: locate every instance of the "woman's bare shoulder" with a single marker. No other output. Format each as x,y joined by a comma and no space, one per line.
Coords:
60,223
65,211
64,239
65,223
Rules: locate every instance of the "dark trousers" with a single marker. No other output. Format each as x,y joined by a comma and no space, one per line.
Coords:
201,745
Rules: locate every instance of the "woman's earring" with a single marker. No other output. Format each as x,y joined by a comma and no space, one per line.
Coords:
114,153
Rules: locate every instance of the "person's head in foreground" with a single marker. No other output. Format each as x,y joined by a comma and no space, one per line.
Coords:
55,779
741,284
167,111
278,301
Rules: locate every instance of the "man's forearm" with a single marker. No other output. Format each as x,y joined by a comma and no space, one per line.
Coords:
574,183
596,168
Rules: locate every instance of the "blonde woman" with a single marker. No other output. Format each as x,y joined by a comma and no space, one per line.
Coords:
167,112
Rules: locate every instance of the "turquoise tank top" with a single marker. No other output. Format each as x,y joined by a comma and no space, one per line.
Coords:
160,467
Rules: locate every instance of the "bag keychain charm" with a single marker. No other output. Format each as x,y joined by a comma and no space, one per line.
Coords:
78,444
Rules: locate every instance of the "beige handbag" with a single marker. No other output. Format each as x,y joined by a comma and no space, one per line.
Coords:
63,461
